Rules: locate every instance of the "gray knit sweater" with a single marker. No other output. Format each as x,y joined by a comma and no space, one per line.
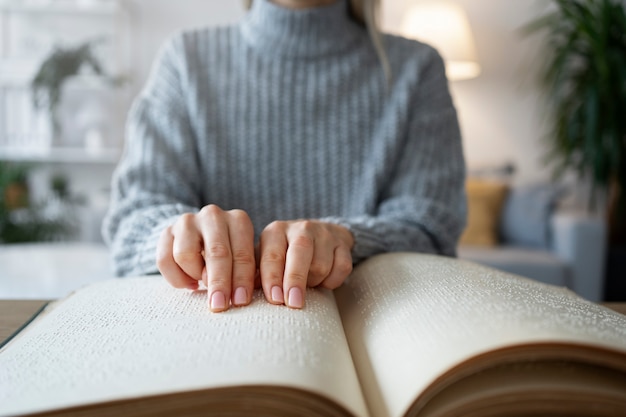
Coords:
288,115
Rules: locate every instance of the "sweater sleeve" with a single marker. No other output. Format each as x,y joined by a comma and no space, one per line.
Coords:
156,180
423,208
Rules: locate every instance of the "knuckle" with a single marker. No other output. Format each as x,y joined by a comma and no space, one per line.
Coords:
187,219
210,212
297,278
310,225
219,282
243,257
217,251
303,241
344,266
185,226
272,277
324,235
276,226
238,215
182,258
274,257
319,269
306,227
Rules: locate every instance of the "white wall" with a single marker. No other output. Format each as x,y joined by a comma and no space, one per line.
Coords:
155,20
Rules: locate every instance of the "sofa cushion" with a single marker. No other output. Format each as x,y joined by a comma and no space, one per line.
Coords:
525,219
485,199
540,265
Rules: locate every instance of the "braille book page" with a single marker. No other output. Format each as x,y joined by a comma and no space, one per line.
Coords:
411,318
139,337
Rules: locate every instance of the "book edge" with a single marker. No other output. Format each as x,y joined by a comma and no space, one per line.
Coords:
577,353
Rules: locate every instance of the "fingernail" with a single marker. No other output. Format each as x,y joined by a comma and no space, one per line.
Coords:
241,296
295,298
277,295
218,301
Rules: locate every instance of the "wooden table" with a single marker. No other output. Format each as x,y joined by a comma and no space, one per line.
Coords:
619,307
14,313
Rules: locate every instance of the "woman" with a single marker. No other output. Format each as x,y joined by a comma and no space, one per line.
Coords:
297,127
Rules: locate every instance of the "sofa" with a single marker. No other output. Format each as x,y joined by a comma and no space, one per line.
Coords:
533,237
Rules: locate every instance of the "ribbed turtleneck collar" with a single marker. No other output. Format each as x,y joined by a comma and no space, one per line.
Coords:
309,32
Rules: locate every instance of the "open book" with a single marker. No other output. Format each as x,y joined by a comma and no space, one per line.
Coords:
407,335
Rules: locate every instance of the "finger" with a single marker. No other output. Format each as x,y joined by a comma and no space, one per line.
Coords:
241,234
299,256
168,267
273,251
323,257
188,246
218,256
342,268
257,274
205,281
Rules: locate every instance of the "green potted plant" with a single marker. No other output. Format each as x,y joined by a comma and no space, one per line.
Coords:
62,64
584,79
14,186
22,220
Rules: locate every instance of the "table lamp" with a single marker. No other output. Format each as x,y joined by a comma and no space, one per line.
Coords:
445,26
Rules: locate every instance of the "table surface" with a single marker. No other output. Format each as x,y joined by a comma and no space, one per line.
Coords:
14,313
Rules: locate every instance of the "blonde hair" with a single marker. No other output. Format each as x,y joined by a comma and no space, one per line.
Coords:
366,13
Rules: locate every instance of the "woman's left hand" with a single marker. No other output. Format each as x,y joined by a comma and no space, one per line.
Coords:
297,254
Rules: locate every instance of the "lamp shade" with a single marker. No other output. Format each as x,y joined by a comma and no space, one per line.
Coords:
445,26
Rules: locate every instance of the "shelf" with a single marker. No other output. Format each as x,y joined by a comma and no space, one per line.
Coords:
21,75
95,7
61,155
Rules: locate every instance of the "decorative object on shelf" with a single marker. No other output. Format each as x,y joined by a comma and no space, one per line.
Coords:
56,69
22,220
91,122
584,78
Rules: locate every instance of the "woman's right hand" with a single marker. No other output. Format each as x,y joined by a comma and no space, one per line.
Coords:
214,246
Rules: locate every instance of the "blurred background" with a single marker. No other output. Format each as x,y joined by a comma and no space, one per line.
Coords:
69,70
